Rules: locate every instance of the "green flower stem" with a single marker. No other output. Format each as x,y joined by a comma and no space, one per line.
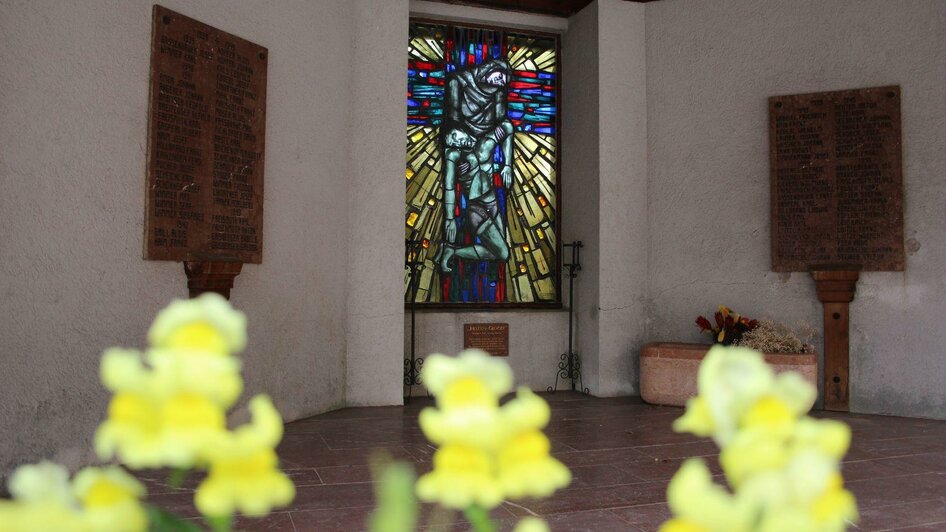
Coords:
479,518
220,523
176,478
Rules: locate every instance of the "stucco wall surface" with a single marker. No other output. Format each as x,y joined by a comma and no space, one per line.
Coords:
622,153
73,101
710,68
375,322
536,340
581,184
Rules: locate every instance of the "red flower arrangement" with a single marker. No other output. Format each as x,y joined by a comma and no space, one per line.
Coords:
730,326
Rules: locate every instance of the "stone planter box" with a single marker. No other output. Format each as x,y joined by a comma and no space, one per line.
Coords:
668,370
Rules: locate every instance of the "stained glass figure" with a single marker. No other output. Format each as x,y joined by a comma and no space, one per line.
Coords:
481,165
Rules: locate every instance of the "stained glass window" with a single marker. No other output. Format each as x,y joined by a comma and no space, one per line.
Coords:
482,170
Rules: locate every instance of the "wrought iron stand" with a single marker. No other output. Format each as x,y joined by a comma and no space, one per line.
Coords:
413,365
569,368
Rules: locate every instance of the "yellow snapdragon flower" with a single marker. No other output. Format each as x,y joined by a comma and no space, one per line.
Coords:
171,402
699,504
731,381
441,371
467,389
206,323
526,469
147,433
98,499
110,499
487,452
42,500
531,524
783,466
463,476
243,474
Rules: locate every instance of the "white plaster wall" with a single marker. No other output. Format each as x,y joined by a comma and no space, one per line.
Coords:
580,185
536,338
605,193
73,111
375,211
710,68
623,233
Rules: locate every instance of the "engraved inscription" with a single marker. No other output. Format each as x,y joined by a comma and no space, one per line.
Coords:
205,157
490,337
836,179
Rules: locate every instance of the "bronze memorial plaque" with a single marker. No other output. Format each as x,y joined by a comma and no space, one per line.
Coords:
205,143
490,337
836,178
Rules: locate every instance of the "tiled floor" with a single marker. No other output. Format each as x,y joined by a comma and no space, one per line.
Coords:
622,453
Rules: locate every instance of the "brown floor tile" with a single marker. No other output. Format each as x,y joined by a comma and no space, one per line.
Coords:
646,517
932,527
597,498
609,456
622,453
347,519
589,521
903,515
298,457
345,474
181,504
680,450
304,477
601,475
274,522
898,490
156,481
665,468
333,496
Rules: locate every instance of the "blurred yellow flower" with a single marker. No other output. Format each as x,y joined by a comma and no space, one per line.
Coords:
16,516
527,411
527,470
463,475
441,371
477,425
98,499
42,482
487,452
144,432
110,499
467,389
699,504
206,323
831,437
531,524
243,474
782,465
168,409
171,402
216,378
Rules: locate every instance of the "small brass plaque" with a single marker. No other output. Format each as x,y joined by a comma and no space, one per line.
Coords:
490,337
836,178
204,188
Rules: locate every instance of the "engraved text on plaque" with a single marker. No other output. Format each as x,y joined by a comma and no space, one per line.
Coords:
205,143
490,337
837,193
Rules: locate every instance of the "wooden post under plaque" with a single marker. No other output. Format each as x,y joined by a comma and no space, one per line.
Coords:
835,287
206,276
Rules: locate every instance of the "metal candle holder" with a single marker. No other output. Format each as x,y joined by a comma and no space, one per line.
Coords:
413,365
569,366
